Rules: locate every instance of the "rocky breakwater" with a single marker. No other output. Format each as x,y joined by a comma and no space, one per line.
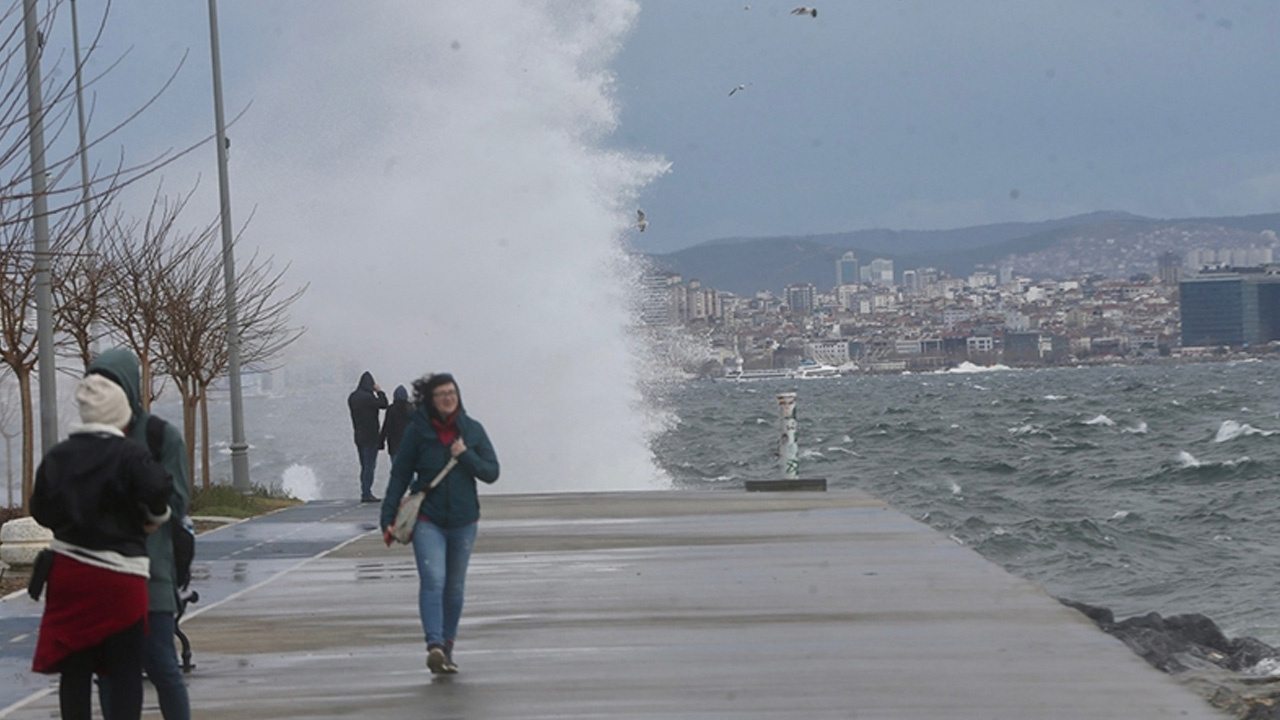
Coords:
1239,675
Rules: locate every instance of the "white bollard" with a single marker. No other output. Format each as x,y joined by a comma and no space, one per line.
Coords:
788,451
21,539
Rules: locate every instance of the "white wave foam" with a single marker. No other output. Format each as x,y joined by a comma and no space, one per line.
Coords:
1230,430
955,487
1139,429
1119,515
968,367
810,453
1055,397
1187,460
300,481
1101,420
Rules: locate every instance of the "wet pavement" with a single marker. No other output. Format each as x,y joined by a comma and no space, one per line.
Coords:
229,559
659,604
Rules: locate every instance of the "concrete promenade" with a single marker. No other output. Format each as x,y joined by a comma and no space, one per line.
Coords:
673,605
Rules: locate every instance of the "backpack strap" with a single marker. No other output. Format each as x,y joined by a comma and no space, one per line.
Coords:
155,436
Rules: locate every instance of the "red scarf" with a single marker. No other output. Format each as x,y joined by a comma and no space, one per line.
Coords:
447,429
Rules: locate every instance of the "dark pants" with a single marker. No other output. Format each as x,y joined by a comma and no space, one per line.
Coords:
120,656
160,660
368,462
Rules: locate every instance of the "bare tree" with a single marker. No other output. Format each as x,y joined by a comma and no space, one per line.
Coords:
191,313
18,332
62,199
139,256
193,339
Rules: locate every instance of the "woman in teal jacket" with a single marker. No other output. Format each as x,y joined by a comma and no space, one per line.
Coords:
440,429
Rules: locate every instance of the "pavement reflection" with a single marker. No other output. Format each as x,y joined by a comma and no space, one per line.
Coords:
229,560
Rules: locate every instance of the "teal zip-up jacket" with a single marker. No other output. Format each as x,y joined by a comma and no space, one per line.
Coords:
121,366
454,502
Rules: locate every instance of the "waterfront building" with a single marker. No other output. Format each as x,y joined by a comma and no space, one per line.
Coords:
1234,309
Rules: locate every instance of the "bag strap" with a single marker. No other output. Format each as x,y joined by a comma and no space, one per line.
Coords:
444,471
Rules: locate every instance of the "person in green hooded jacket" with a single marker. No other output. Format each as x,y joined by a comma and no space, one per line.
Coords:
159,657
439,429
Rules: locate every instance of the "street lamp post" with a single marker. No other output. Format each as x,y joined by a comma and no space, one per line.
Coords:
46,369
239,448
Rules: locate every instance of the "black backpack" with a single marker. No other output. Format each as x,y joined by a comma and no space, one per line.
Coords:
184,536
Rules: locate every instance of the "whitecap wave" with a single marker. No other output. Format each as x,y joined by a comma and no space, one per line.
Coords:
1139,429
1230,430
968,367
1101,420
1187,460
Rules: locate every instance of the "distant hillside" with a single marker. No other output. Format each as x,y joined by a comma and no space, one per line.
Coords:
1113,244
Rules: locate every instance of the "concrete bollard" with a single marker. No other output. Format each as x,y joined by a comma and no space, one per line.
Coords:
788,451
21,539
788,456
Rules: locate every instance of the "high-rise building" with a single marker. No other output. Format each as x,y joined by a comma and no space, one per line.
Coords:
879,272
1170,268
1232,309
847,270
800,298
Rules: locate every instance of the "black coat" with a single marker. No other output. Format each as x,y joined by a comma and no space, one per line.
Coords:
364,403
96,491
394,423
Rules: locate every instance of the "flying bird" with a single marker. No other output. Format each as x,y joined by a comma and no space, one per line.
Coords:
736,89
640,221
802,10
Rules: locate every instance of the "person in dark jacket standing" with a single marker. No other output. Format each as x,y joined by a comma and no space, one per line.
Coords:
159,657
100,494
365,402
446,529
396,420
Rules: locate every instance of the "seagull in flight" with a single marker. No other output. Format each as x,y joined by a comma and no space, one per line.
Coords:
736,89
640,221
803,10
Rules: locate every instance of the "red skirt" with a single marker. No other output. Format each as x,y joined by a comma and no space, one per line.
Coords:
83,606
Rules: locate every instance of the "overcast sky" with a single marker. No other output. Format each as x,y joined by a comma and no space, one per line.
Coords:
928,114
903,114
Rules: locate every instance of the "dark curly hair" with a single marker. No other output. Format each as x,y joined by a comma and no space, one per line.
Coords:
427,384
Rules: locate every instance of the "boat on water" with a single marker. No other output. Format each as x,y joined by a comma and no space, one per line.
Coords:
808,368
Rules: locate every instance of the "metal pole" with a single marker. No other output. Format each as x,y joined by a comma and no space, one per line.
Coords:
788,451
84,155
45,367
84,158
239,448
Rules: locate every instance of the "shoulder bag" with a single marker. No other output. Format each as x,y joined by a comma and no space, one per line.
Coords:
407,515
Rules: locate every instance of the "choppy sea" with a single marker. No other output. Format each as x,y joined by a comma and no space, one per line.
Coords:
1145,488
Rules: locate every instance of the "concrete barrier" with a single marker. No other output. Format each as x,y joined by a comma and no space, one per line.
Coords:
21,539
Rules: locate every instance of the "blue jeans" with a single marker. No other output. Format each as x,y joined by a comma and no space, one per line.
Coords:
368,461
442,556
160,661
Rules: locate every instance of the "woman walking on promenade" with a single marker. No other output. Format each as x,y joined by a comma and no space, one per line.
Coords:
443,536
101,494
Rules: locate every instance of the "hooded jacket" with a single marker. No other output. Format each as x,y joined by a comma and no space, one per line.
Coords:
364,403
454,502
121,366
396,420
